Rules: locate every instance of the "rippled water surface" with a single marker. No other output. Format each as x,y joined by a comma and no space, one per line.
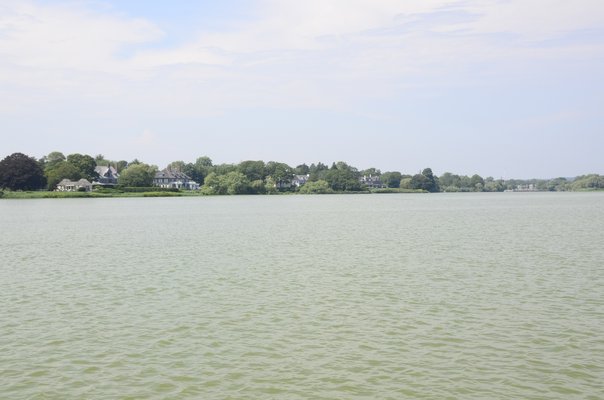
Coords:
477,296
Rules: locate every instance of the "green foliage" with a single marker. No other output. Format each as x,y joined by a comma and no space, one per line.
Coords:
142,189
425,181
342,177
232,183
372,172
302,169
20,172
1,194
60,171
258,187
392,179
281,173
318,187
588,182
121,165
137,175
161,194
85,164
176,166
52,159
253,170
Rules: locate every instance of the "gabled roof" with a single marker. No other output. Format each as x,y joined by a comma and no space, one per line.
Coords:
67,182
170,174
106,171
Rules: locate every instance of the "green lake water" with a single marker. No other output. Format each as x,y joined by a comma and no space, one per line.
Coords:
440,296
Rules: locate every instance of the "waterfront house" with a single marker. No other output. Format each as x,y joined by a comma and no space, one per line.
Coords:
66,185
300,180
107,176
174,179
372,182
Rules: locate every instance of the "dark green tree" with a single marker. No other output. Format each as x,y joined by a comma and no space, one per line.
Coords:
425,181
392,179
477,182
302,169
342,177
121,165
281,173
21,172
253,170
85,164
52,159
60,171
137,175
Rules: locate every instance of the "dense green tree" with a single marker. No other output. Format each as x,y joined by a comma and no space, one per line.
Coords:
137,175
281,173
60,171
176,166
223,169
342,177
477,183
318,187
371,171
425,181
236,183
232,183
448,180
253,170
558,185
494,185
591,181
213,185
302,169
121,165
406,182
21,172
192,172
258,187
392,179
52,159
85,164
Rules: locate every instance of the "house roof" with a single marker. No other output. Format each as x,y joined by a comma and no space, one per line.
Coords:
170,174
81,182
106,171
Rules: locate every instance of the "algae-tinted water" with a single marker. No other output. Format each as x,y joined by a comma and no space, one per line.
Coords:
462,296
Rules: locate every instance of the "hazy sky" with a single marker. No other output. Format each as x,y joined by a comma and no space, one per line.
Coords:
507,88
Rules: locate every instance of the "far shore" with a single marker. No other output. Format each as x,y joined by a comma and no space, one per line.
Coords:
190,193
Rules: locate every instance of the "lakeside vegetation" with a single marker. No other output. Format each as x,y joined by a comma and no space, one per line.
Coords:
22,176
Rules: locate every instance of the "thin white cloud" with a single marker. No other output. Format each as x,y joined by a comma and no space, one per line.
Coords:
313,53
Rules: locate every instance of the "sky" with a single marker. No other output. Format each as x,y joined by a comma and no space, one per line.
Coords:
502,88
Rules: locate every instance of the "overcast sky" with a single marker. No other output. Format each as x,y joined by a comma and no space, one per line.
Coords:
506,88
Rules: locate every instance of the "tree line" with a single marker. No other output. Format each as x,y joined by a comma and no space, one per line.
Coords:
21,172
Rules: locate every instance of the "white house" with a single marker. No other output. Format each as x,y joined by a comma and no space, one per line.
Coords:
372,181
74,186
174,179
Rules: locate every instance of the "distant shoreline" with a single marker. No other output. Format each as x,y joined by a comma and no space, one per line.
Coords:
8,195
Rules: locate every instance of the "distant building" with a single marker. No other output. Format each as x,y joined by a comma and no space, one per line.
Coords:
74,186
107,176
524,188
174,179
372,182
300,180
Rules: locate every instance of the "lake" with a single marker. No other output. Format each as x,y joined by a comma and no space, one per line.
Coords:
435,296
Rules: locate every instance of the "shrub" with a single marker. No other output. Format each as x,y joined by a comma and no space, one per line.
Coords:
148,189
161,194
